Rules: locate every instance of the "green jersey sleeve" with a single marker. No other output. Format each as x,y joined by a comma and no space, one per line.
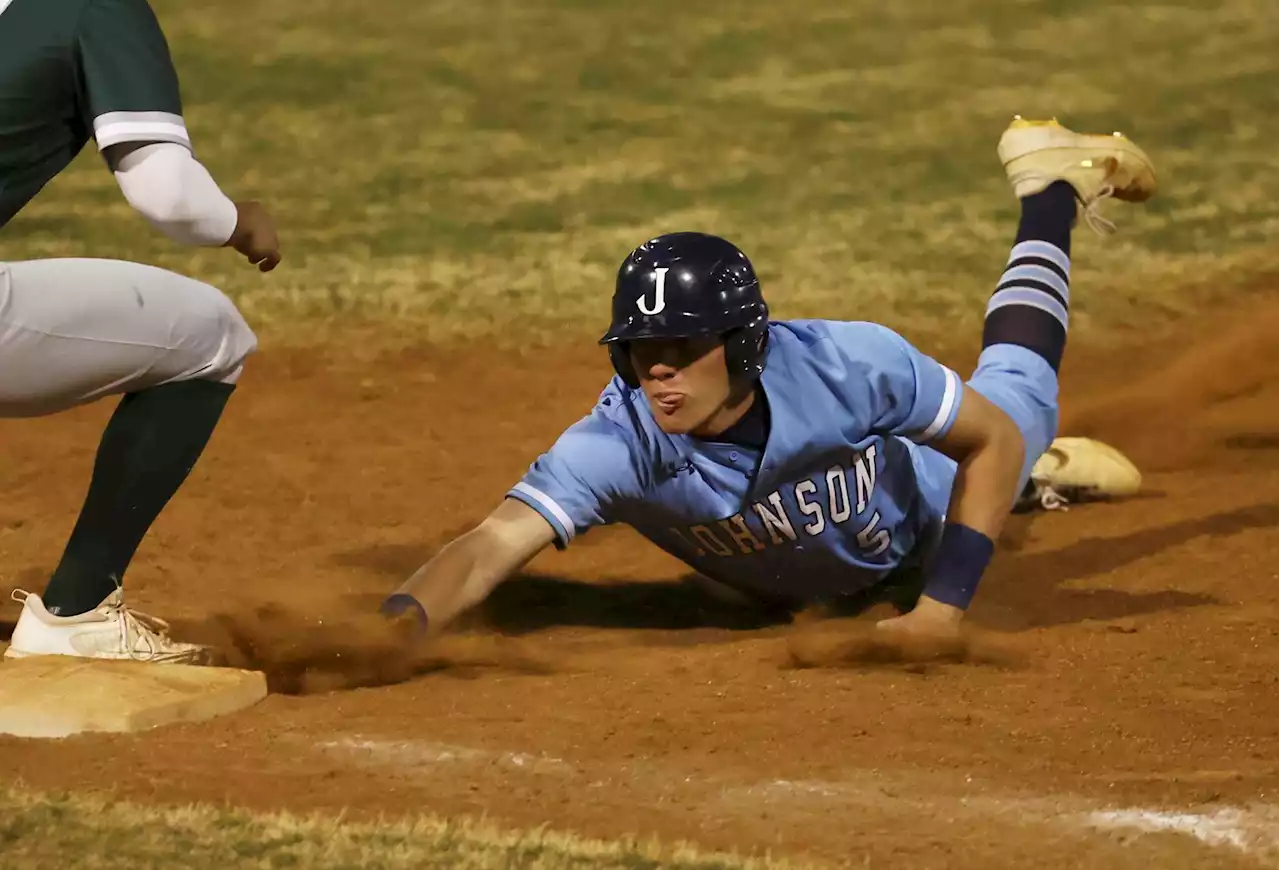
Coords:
129,87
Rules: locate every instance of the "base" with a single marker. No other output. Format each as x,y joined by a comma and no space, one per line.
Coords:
56,696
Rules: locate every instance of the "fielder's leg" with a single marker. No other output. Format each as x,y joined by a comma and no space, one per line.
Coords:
72,332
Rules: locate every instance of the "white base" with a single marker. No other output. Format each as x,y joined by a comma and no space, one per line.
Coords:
56,696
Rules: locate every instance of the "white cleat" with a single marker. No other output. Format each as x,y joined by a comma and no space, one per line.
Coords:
110,631
1076,469
1037,153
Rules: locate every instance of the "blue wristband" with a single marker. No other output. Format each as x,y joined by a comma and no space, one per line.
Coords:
401,602
958,563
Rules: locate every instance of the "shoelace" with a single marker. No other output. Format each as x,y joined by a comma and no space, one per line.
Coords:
151,630
1093,215
1050,499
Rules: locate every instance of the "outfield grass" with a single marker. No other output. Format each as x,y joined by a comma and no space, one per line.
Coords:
459,167
46,830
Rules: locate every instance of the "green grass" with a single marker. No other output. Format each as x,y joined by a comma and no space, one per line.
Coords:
481,168
53,830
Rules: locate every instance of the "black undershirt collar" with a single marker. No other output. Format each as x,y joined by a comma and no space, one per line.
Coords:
752,430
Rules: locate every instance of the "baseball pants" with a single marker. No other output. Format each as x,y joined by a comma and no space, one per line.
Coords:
75,330
1020,383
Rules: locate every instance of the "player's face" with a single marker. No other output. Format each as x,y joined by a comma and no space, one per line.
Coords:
685,380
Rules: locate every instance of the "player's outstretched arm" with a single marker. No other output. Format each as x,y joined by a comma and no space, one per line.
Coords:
468,568
989,452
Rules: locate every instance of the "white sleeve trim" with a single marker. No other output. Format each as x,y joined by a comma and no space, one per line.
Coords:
175,193
113,128
950,396
550,504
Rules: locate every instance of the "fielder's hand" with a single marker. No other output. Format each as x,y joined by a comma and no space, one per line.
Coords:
255,236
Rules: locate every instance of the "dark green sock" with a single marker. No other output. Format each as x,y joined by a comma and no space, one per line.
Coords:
149,447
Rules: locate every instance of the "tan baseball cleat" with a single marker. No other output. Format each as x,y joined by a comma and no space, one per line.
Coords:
109,631
1037,153
1087,468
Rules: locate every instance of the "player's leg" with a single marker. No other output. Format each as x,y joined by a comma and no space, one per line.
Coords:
75,331
1052,169
1023,339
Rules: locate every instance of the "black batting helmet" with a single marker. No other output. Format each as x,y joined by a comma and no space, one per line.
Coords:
684,284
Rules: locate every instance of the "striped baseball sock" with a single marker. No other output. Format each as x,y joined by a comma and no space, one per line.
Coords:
1029,306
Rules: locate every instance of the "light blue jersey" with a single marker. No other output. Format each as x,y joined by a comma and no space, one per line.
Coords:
844,491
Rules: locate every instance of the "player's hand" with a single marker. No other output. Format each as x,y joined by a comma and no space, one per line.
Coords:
255,236
404,609
931,624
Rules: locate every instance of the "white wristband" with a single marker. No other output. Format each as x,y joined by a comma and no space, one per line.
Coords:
170,188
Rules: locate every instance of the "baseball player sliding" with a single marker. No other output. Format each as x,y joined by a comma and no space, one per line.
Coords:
809,460
73,331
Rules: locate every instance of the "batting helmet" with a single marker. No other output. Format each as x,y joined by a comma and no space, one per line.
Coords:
684,284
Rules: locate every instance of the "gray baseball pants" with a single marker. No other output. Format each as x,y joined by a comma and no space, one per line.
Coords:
75,330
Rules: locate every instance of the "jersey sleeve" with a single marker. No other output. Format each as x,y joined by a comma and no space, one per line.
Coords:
582,480
129,87
907,392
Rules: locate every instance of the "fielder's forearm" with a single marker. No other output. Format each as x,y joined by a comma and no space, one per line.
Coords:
176,194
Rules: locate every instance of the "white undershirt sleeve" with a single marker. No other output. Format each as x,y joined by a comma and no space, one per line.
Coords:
165,183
